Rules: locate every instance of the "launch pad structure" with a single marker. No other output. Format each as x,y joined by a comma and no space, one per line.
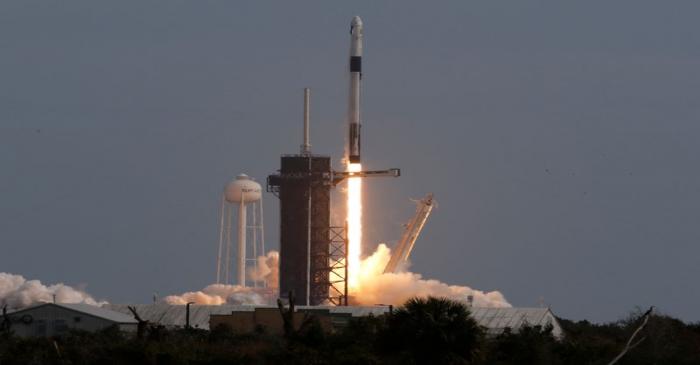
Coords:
313,254
304,189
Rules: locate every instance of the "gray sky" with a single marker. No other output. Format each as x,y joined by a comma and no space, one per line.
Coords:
560,139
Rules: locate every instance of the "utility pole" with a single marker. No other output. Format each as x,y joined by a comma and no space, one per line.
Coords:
187,315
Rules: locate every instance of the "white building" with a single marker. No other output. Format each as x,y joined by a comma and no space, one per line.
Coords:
494,320
53,319
498,320
174,316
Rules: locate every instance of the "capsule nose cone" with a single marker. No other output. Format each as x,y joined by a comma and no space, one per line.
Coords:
356,22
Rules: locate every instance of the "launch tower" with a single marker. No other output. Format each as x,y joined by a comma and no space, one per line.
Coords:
313,254
303,188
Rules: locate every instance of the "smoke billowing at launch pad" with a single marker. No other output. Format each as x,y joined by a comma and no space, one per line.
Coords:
319,260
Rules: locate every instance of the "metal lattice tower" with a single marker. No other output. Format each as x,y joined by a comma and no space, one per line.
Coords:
338,265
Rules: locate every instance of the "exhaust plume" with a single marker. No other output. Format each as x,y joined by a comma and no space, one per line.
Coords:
373,286
377,287
267,270
17,292
218,294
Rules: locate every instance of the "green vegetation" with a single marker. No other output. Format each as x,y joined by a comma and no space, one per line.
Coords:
423,331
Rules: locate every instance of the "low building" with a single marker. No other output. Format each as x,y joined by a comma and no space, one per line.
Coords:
175,316
495,321
498,320
246,318
271,321
54,319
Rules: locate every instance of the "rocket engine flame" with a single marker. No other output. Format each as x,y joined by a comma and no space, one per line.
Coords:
373,286
354,221
369,285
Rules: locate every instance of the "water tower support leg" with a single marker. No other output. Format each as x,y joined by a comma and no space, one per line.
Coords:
242,228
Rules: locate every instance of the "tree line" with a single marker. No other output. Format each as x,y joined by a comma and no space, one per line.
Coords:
422,331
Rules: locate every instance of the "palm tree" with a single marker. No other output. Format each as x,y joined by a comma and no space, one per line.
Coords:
433,331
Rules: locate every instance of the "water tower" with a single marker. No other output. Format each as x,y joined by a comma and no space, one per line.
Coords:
242,192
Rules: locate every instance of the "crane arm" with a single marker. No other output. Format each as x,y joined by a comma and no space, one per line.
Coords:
339,176
403,248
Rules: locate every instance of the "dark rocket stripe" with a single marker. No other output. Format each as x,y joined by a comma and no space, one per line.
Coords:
355,64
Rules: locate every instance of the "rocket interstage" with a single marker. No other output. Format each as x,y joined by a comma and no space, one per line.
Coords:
355,90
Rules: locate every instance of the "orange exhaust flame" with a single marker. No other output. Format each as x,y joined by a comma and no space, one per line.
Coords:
354,219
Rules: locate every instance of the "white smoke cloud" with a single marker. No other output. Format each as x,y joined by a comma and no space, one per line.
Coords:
375,287
217,294
17,292
267,270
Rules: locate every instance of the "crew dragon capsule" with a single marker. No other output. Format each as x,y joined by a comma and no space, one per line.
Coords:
354,99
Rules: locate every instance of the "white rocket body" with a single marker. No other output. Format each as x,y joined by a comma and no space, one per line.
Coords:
355,90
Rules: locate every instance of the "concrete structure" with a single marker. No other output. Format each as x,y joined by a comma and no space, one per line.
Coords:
51,319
